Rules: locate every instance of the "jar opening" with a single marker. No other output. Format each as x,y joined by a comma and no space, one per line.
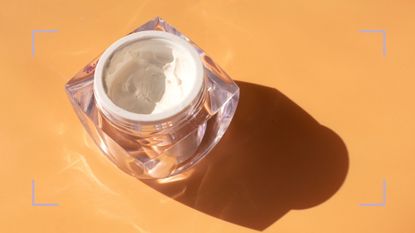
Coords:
148,76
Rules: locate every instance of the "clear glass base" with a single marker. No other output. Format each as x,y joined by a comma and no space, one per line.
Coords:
170,150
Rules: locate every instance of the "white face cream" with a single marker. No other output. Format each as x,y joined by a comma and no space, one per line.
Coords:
148,76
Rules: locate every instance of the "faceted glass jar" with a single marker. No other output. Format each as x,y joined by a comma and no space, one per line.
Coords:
163,148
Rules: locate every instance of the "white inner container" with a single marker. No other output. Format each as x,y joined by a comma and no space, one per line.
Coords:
148,76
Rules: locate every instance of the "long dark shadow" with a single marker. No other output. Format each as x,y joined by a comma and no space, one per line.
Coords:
274,157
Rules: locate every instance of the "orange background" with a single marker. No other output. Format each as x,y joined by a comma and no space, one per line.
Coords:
310,51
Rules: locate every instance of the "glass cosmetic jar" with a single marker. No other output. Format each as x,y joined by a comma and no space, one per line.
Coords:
163,107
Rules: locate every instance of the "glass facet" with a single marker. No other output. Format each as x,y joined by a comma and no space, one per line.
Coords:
159,150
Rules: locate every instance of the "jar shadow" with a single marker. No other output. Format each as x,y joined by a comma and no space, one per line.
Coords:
274,158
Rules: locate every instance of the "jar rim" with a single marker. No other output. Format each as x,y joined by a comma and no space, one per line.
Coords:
109,107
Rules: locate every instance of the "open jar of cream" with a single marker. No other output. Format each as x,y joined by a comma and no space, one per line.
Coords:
153,102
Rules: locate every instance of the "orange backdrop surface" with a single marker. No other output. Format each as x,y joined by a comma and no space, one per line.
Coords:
311,81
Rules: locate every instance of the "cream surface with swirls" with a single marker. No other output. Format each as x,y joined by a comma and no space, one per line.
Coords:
149,76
